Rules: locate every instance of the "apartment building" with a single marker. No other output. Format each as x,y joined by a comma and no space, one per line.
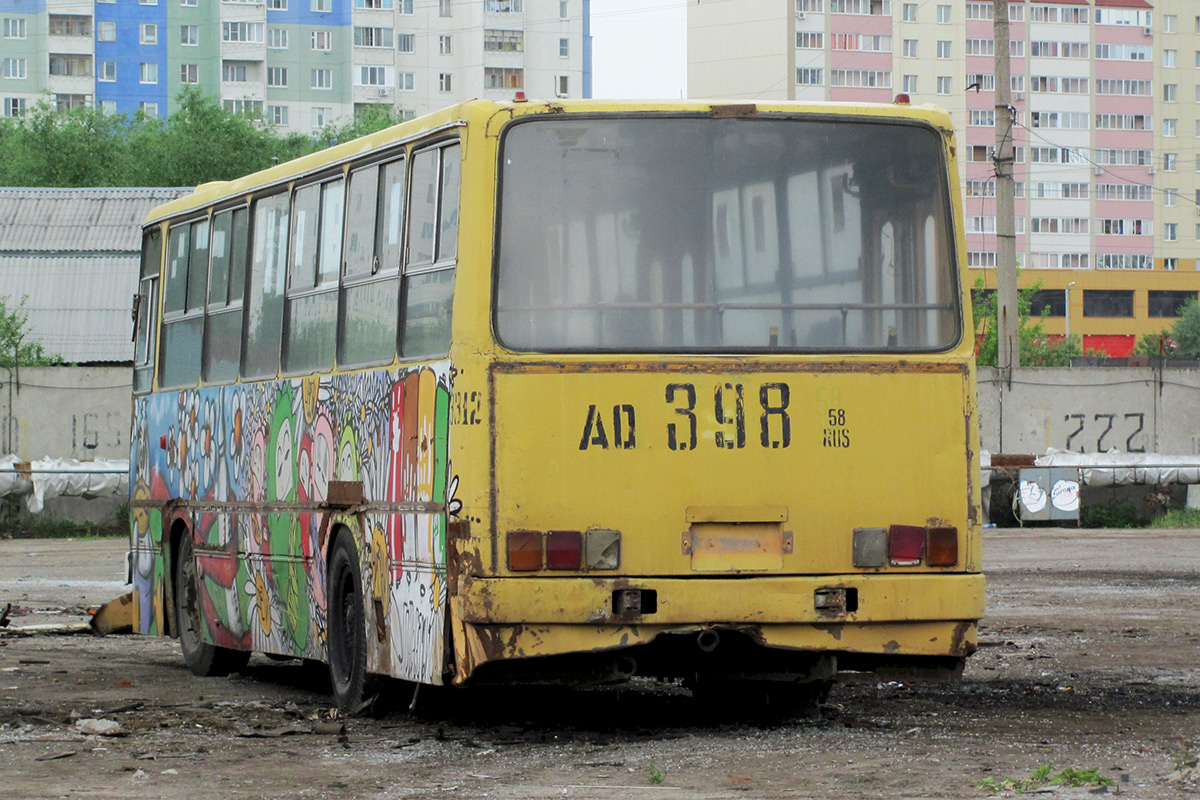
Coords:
299,63
1107,141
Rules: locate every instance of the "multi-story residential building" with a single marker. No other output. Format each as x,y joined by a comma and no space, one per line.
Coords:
1107,140
299,63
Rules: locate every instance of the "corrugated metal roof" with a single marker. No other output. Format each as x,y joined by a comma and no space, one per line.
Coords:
74,254
78,307
77,220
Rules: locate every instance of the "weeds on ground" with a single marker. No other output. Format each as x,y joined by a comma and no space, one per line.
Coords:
1123,515
1045,776
1178,518
15,524
654,775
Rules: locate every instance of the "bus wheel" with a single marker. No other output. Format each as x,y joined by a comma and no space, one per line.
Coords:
353,689
201,657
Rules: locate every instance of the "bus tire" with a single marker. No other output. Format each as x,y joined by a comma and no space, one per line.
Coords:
353,689
202,658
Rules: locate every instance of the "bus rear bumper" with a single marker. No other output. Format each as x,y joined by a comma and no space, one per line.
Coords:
868,618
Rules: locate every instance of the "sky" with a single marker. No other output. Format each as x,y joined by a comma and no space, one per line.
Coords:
639,49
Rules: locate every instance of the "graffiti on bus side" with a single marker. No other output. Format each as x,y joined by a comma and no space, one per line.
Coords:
263,574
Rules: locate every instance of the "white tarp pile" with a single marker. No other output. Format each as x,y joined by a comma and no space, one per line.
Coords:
11,481
1125,469
67,477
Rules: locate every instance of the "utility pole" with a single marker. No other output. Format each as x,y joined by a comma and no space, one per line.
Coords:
1009,353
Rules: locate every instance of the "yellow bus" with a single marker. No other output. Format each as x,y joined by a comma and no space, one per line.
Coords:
567,391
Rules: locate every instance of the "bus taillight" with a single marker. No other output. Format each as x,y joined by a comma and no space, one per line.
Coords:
524,551
906,545
564,550
942,547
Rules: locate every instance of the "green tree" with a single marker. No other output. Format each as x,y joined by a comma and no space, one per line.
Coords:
368,119
1181,341
15,347
80,147
1038,349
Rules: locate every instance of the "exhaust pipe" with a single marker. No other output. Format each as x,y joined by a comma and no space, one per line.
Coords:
707,640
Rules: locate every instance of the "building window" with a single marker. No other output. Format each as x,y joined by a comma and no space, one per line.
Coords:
322,6
384,5
277,38
943,14
149,110
503,78
1051,302
1170,92
14,106
808,76
233,73
445,45
373,76
189,73
1171,263
1108,302
1169,162
189,35
910,84
107,71
444,8
404,6
562,85
321,116
910,48
1170,197
1163,303
406,42
15,68
106,32
251,32
502,6
277,115
148,33
406,82
564,9
188,3
1170,127
277,5
943,50
322,79
372,37
14,28
445,82
1170,23
503,41
564,48
910,12
1170,232
277,77
108,107
943,84
322,40
243,107
1169,58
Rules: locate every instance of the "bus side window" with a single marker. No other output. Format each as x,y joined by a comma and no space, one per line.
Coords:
226,284
268,271
147,311
183,307
316,244
433,248
370,281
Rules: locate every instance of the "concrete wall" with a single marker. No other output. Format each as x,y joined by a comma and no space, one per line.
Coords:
1089,410
68,412
65,412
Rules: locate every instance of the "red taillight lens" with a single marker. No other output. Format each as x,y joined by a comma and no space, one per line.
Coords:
524,551
906,545
942,547
564,549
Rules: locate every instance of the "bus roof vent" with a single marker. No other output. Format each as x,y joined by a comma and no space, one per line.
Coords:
735,110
